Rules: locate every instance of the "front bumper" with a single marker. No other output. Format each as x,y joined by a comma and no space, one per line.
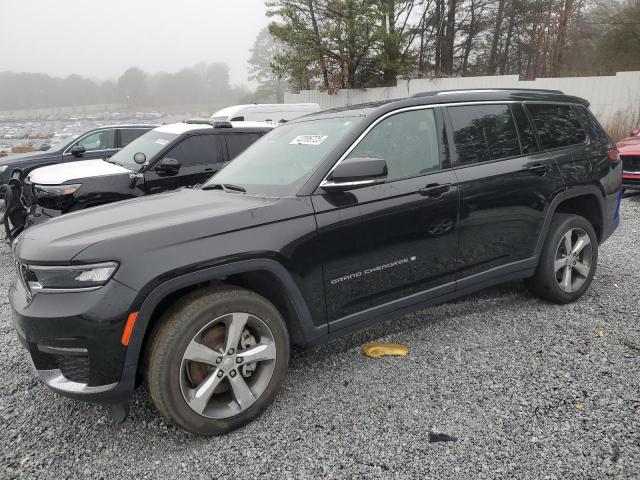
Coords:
74,340
630,181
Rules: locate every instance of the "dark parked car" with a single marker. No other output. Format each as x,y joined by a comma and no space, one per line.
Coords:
100,142
328,224
165,158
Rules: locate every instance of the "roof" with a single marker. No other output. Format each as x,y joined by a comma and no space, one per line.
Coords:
182,128
448,96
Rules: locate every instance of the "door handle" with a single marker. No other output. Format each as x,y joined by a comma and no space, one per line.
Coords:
435,190
539,168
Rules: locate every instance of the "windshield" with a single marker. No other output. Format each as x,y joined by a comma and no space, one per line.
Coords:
280,162
150,144
62,142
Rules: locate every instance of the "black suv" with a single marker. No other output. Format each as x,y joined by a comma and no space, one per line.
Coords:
165,158
101,142
329,223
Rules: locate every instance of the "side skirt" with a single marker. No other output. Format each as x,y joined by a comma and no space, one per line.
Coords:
429,298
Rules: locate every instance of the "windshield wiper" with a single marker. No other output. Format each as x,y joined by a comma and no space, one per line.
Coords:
227,187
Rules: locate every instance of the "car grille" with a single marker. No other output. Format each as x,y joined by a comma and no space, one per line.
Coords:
74,368
631,163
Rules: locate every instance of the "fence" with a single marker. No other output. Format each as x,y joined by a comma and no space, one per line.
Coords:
607,94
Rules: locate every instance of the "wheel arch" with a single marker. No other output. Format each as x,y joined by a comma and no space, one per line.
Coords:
264,276
586,201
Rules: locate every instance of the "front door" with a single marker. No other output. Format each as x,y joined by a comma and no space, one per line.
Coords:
506,183
388,246
198,155
98,145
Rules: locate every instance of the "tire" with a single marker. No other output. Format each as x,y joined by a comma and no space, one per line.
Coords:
209,396
554,285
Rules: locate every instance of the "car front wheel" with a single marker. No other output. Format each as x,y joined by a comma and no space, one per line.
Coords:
217,359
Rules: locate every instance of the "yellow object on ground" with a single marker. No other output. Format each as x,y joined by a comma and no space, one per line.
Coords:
377,350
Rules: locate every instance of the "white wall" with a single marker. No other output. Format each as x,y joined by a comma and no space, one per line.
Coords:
607,95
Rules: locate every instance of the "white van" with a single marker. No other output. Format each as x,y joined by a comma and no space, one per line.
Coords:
265,112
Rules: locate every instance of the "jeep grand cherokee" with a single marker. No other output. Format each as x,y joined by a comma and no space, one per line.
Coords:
328,224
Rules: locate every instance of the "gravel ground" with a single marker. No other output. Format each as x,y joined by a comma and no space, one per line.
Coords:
518,387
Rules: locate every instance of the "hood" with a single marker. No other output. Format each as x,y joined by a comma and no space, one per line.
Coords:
145,223
63,172
15,160
629,148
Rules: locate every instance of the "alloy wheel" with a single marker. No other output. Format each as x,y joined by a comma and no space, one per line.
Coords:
573,260
227,365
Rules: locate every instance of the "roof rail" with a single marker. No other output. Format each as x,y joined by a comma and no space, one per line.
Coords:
474,90
206,121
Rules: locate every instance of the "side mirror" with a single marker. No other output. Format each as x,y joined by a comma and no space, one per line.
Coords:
78,150
169,166
356,172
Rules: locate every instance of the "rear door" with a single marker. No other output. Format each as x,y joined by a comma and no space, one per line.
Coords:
564,137
505,186
391,245
198,156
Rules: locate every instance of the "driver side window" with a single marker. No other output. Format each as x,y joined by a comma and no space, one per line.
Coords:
407,141
102,140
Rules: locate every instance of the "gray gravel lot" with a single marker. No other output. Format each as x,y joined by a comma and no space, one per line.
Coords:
525,389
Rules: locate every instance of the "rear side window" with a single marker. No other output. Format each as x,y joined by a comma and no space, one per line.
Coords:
198,150
528,140
483,132
237,143
128,135
557,125
595,129
407,141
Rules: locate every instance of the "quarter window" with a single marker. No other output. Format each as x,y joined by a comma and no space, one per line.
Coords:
102,140
483,132
198,150
407,141
557,125
595,129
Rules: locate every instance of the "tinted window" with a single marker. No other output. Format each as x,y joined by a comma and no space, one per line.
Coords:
128,135
595,129
408,142
525,130
198,150
557,125
483,132
239,142
102,140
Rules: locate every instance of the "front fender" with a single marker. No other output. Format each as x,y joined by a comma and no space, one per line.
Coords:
147,303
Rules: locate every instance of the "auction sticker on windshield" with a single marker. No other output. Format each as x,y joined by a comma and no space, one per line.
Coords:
308,140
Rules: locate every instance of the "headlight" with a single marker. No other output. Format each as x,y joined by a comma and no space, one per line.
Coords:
65,278
3,168
56,190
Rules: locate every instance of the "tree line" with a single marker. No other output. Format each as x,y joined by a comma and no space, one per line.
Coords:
333,44
200,84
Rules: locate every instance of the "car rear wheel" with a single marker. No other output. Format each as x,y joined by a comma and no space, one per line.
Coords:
217,360
568,260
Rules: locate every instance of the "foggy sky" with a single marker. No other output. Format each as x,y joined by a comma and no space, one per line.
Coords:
102,38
